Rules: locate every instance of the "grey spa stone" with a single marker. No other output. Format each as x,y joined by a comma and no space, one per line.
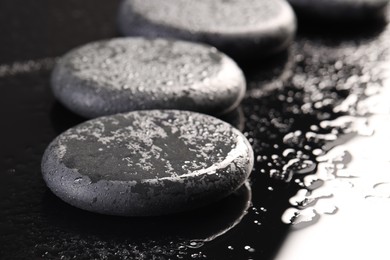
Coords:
243,29
145,163
341,10
127,74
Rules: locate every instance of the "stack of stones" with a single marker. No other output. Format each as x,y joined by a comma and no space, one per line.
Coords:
153,145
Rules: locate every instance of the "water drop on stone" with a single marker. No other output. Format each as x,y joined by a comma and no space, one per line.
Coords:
78,180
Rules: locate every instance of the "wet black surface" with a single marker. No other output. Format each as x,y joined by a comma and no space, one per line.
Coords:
322,68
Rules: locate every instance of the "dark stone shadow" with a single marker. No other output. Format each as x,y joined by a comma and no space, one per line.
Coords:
235,117
62,118
203,224
265,63
339,31
270,71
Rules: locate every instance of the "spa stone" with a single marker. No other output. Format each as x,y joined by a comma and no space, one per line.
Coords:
127,74
147,163
243,29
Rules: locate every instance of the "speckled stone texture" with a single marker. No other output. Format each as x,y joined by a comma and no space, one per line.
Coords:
126,74
147,163
341,10
244,29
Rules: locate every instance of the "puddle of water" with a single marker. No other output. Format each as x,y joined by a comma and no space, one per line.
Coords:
354,171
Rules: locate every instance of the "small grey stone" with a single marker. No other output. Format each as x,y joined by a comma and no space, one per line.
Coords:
243,29
150,162
126,74
347,10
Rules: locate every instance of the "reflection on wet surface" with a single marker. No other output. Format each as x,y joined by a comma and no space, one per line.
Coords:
174,235
352,171
317,117
356,174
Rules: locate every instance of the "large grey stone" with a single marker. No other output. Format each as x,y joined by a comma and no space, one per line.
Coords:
147,162
244,29
126,74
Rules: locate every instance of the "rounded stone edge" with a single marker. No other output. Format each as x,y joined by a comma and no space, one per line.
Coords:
234,73
249,42
61,181
78,102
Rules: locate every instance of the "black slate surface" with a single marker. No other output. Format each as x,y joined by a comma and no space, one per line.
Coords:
34,224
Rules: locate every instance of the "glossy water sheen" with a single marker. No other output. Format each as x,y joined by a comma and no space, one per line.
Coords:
314,118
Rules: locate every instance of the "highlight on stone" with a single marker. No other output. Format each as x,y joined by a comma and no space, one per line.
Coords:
146,163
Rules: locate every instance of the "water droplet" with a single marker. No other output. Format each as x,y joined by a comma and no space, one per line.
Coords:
338,65
288,152
302,199
198,255
318,152
292,138
249,249
300,218
78,179
380,190
195,244
281,175
312,182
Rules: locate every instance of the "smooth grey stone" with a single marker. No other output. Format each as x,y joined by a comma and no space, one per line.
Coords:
146,163
126,74
347,10
243,29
